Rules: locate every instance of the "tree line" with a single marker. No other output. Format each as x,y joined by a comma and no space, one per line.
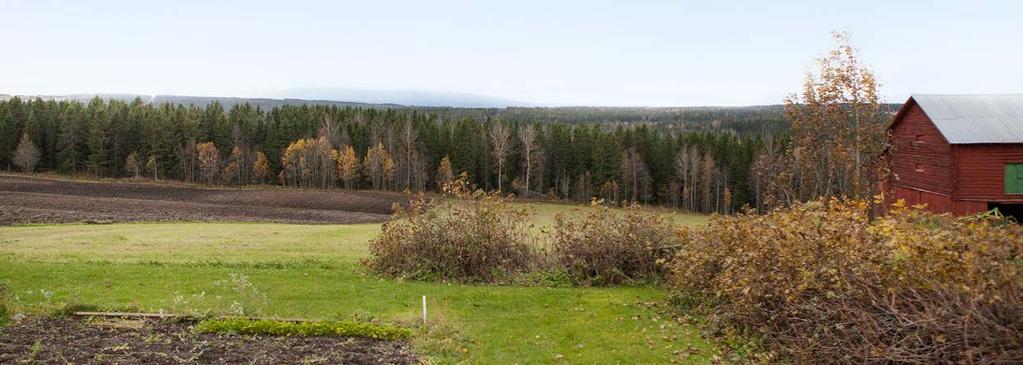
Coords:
832,146
705,170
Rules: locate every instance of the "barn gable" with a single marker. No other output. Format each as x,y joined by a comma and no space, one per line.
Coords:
921,156
959,153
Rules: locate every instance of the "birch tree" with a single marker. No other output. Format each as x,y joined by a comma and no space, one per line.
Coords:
133,165
500,142
260,167
26,155
347,166
838,131
530,154
209,161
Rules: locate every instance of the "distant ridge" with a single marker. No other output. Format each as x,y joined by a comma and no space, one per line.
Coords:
226,101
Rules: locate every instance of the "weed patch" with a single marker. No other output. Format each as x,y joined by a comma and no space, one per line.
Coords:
280,328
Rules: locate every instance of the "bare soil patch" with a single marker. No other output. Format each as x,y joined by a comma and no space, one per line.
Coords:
156,341
25,199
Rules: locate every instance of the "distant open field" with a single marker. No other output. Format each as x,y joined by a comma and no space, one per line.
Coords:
313,271
25,199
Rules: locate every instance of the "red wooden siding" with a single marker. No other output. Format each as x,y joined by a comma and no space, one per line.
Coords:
920,156
939,203
980,171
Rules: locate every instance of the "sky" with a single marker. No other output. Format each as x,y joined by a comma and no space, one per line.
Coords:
592,52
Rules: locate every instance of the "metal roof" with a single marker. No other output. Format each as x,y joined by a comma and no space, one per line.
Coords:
966,119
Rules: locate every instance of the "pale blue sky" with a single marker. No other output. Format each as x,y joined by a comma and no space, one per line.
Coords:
547,52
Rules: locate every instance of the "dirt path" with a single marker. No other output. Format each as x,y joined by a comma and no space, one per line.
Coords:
26,199
62,341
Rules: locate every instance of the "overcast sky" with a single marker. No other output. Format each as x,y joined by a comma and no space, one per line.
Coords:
660,53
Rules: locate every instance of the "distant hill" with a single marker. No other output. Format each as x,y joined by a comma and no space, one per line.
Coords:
417,98
264,103
227,102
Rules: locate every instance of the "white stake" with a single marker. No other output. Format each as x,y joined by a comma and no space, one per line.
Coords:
424,310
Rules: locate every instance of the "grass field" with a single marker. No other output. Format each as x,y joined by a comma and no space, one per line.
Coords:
312,271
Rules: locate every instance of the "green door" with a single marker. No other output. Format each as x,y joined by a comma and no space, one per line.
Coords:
1014,178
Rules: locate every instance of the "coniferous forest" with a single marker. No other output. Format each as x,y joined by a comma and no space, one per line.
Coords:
697,166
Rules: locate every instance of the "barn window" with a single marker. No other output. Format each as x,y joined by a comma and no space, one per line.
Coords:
919,139
919,167
1014,178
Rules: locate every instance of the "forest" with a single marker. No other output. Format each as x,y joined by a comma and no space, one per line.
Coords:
696,159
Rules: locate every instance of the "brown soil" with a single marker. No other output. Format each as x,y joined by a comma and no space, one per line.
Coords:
26,199
153,341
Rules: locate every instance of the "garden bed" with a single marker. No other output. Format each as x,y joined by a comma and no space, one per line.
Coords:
170,341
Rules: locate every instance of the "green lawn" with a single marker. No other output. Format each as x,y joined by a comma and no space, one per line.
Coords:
313,272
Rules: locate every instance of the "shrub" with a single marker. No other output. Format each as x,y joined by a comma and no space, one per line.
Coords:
821,282
610,247
280,328
474,236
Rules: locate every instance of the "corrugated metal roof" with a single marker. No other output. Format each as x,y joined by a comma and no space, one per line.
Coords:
966,119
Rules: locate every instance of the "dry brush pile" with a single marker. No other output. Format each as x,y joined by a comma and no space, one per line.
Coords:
609,247
475,236
822,282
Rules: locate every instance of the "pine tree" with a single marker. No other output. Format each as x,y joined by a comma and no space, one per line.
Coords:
97,136
10,129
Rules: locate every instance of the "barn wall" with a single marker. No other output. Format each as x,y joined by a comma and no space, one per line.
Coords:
938,203
980,171
917,144
935,202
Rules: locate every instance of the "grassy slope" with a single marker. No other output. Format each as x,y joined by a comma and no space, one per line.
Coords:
168,265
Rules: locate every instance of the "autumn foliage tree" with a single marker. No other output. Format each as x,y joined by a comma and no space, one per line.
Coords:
838,133
445,173
378,166
260,168
26,155
347,166
309,163
209,161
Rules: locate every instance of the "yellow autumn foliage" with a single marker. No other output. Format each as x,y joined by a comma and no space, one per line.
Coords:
822,281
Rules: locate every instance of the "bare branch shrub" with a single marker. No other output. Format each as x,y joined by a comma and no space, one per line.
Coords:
612,247
473,237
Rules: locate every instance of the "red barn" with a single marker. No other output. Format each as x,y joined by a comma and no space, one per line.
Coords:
959,154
